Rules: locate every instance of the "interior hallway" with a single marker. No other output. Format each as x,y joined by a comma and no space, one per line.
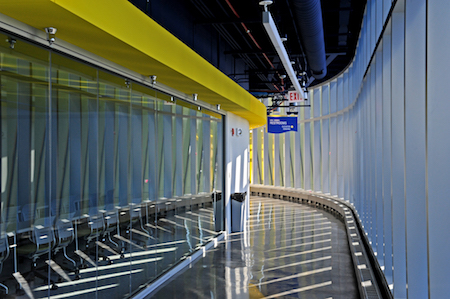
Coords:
289,251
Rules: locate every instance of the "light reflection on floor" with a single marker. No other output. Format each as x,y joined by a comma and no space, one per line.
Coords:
138,264
288,251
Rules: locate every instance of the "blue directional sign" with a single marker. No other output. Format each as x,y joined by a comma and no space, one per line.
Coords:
281,124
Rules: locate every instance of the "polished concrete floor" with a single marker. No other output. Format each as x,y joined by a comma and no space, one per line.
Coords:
289,251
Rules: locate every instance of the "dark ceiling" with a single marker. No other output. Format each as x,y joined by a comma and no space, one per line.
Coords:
238,24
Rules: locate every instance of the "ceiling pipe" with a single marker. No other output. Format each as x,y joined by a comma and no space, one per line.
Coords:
275,38
249,33
308,15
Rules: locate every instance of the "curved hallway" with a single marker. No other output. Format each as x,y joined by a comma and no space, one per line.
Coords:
290,250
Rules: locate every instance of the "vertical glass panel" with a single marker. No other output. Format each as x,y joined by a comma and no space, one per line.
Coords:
216,183
200,153
123,181
160,149
282,158
293,159
110,222
218,202
26,192
186,152
251,150
143,228
177,141
213,151
276,159
270,159
74,134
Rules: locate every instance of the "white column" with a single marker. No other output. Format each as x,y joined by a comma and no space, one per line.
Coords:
415,148
387,201
333,139
379,155
317,141
326,139
398,151
438,145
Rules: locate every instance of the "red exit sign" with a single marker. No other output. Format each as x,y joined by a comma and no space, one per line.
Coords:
294,96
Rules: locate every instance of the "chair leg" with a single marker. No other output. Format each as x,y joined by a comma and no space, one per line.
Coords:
109,238
142,227
5,287
77,271
65,254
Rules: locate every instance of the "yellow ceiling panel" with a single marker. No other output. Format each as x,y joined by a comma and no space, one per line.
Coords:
119,32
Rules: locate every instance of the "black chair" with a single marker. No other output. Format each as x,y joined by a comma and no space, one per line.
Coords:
42,241
112,227
96,225
39,242
65,236
140,235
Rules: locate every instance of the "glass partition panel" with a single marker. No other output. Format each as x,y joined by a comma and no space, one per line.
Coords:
281,159
79,224
113,211
216,177
105,183
27,197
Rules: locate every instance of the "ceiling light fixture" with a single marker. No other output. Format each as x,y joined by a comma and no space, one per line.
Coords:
272,31
265,3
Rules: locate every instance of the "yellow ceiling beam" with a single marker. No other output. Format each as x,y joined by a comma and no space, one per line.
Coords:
121,33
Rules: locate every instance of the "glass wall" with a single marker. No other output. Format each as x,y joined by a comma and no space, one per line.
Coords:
105,183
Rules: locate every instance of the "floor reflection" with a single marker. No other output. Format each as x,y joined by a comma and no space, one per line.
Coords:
289,251
164,243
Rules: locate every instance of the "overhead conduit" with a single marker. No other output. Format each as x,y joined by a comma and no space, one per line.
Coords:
255,42
308,15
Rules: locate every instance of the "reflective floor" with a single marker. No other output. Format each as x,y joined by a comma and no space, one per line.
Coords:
290,251
146,256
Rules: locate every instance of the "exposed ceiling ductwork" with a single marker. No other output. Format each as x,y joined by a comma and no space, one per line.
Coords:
309,20
319,37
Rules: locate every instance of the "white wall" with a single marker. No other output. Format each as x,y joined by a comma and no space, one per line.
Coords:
385,143
237,134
